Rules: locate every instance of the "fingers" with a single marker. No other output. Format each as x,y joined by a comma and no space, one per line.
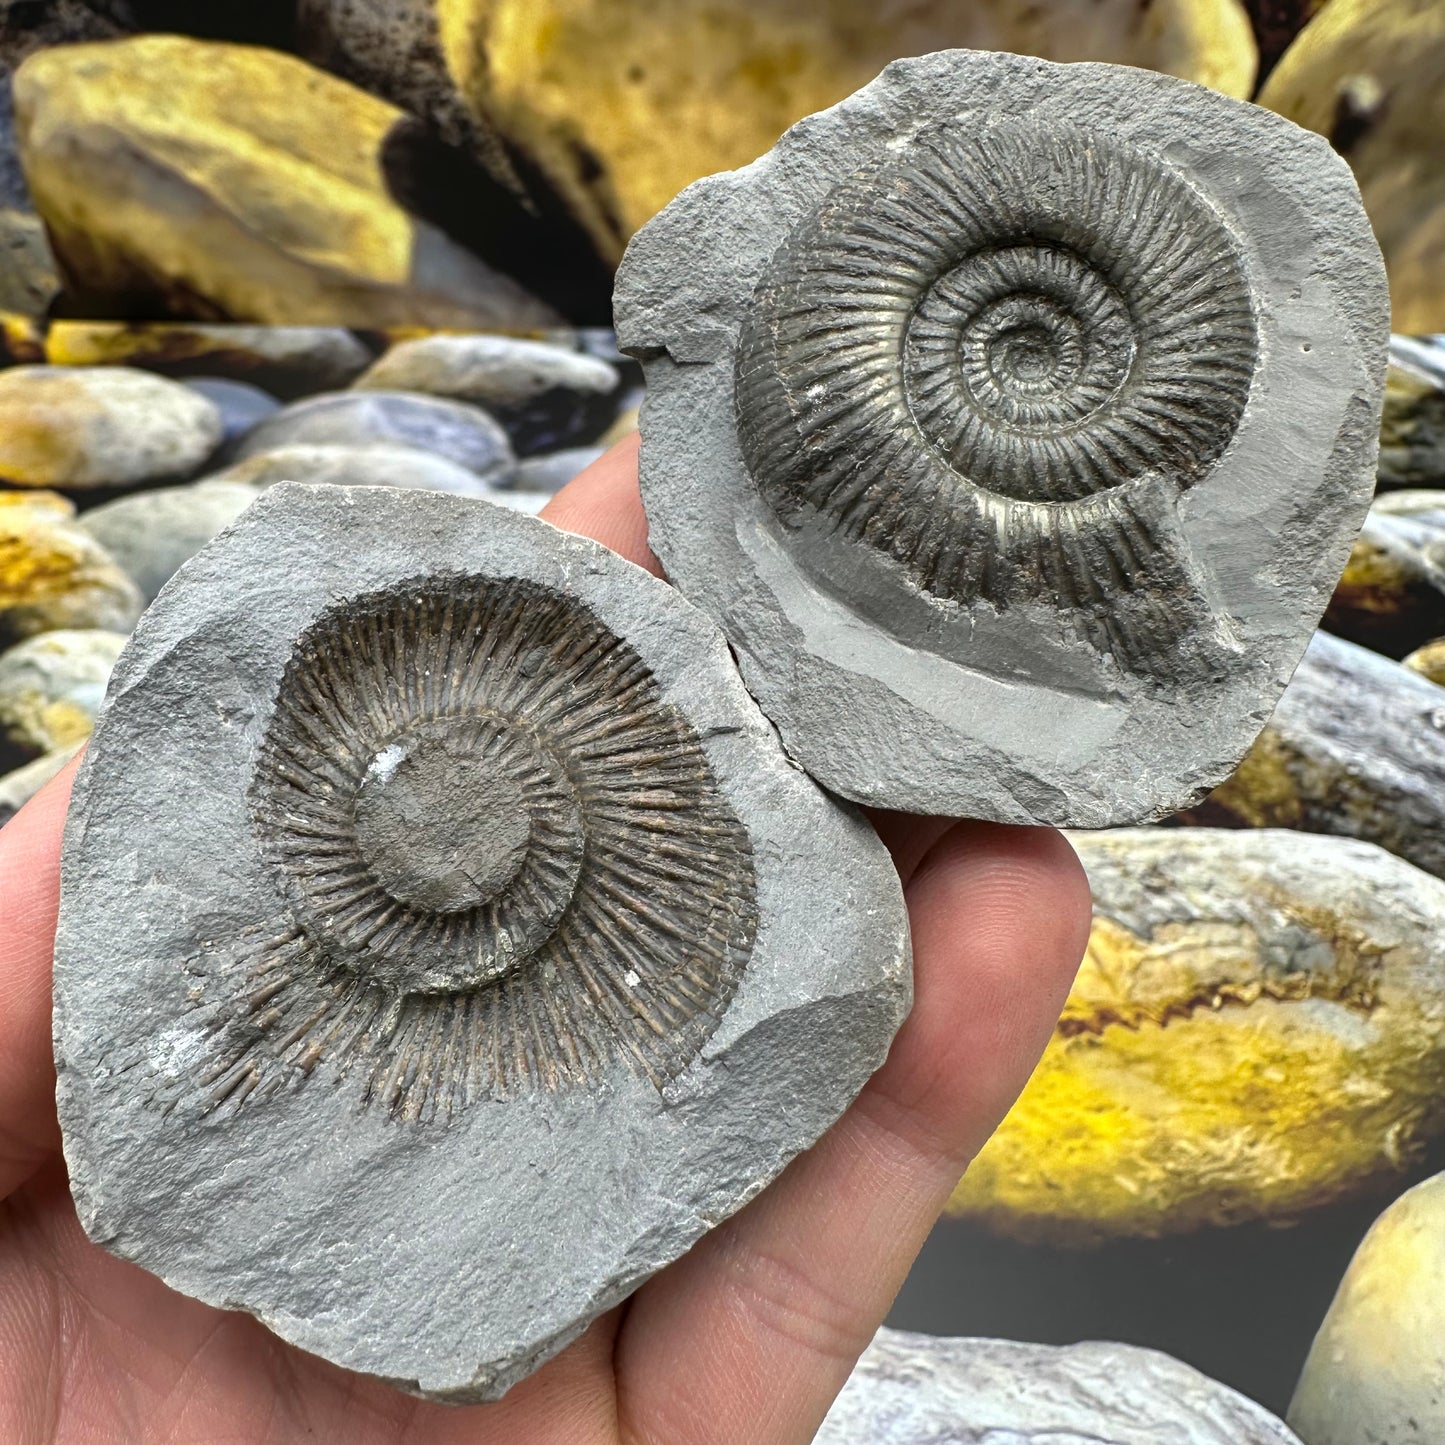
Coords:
29,902
754,1332
603,502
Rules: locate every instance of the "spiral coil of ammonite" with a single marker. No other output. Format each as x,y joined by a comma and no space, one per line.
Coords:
997,357
507,861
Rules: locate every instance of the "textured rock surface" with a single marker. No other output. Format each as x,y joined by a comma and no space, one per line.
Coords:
1355,747
1366,73
1258,1029
973,557
51,687
912,1389
357,466
710,83
1412,424
1391,595
286,361
101,426
638,1034
52,574
183,177
19,786
151,533
552,472
464,435
1376,1373
545,397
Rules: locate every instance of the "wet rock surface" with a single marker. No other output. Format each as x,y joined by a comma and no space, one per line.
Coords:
910,1389
1376,1373
463,435
545,397
320,1178
919,593
85,427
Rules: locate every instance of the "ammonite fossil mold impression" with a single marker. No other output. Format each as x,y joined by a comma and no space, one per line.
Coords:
1013,419
467,946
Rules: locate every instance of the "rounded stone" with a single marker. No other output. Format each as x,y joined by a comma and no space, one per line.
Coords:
359,465
54,575
953,402
51,688
552,472
1257,1030
464,435
241,405
471,944
21,784
104,426
151,533
912,1389
546,397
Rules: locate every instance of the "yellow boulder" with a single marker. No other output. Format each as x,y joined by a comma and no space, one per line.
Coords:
624,104
218,181
1258,1029
1367,74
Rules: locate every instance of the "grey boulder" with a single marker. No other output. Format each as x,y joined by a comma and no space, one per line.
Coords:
1013,419
151,533
472,947
462,434
912,1389
545,396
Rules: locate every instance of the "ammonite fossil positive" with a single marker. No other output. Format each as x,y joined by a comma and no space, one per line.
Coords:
446,942
507,861
1011,419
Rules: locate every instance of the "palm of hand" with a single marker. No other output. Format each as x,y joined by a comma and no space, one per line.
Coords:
746,1339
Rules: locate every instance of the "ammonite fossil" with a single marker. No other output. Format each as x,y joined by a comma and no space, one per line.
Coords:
445,938
1011,419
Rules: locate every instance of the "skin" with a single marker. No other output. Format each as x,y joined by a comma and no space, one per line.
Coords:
747,1338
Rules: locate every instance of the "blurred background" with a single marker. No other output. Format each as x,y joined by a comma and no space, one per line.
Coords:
375,239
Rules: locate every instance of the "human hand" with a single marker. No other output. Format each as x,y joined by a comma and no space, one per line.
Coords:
743,1341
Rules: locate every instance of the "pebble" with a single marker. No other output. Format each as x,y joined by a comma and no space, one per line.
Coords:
151,533
546,397
241,405
104,426
55,575
358,466
284,361
462,434
552,472
21,784
51,688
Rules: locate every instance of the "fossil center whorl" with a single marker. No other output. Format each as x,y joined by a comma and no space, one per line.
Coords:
993,347
504,858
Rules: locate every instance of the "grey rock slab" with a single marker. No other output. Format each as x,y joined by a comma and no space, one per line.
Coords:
1356,747
545,396
1016,499
356,466
51,687
434,1150
462,434
241,405
151,533
1375,1374
100,426
911,1389
21,784
552,472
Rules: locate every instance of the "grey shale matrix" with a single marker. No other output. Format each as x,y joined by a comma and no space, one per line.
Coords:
467,950
1013,420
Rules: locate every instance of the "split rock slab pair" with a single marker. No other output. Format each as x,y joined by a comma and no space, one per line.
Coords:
470,945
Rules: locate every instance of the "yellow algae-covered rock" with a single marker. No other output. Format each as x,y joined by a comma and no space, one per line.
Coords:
623,104
101,426
1366,73
51,688
230,182
1376,1372
287,361
1412,423
1429,660
21,342
1258,1028
53,575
